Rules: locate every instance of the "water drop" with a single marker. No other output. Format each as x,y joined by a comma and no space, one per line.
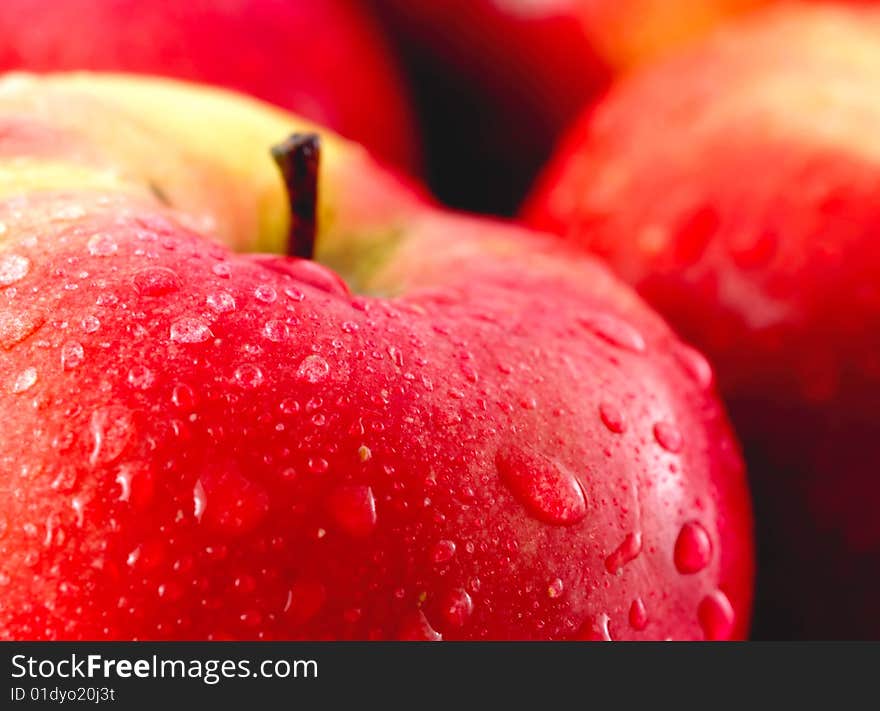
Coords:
13,268
615,331
595,629
266,294
304,600
555,588
612,418
625,553
183,397
24,381
16,327
221,301
289,406
102,245
416,628
190,330
156,281
123,478
442,552
693,548
695,365
276,331
72,355
200,500
141,377
354,509
313,369
638,615
716,616
668,436
457,607
237,504
222,270
111,429
318,465
547,489
248,376
90,324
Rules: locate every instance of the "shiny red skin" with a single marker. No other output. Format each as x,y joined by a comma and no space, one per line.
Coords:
757,240
324,60
432,465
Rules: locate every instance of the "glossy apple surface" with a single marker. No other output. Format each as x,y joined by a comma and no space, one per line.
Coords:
492,439
325,60
744,206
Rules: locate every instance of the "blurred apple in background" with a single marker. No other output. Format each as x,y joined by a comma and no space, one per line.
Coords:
737,186
326,60
498,80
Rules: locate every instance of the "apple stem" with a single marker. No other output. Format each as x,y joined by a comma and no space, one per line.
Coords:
298,159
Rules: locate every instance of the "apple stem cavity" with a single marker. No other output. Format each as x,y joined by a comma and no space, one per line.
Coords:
298,158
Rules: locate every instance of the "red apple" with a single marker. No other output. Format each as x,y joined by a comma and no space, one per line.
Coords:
514,73
494,439
325,60
736,186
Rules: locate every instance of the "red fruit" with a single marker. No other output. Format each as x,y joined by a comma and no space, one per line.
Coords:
515,73
736,186
201,444
325,60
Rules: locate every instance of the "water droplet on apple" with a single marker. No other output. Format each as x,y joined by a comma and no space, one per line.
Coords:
547,489
716,616
304,600
289,406
318,465
626,552
266,294
183,397
13,268
416,628
693,548
638,615
24,381
442,552
354,509
72,355
123,478
695,365
221,301
140,377
595,629
249,376
16,327
156,281
200,500
90,324
190,330
222,270
78,506
555,588
111,429
668,436
313,369
612,417
457,607
237,504
615,331
276,331
101,245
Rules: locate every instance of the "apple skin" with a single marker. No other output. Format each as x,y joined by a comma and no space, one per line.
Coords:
325,60
519,72
497,440
744,207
